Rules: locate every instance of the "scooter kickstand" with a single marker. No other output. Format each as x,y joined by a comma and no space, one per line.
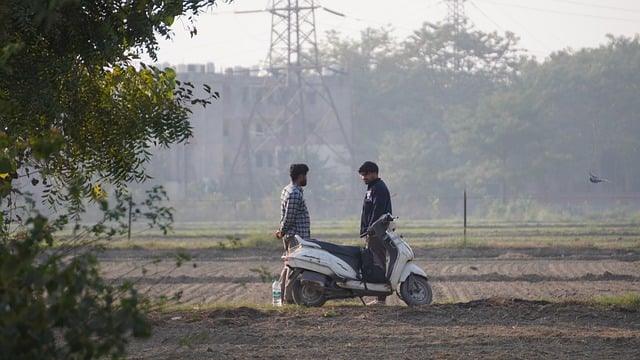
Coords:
361,299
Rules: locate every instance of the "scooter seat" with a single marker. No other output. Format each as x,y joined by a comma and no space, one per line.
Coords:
350,251
349,254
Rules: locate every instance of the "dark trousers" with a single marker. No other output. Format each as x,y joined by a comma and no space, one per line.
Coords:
376,245
285,276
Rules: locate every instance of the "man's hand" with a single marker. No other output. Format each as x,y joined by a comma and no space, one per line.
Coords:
279,234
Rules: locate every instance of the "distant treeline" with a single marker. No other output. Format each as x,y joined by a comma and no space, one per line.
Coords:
443,110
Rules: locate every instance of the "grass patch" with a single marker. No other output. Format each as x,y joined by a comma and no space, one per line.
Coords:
419,234
260,241
629,301
332,309
159,244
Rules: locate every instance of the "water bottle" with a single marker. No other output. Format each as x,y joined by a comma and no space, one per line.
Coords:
276,293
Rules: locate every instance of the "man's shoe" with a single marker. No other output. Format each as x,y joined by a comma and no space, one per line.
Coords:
377,303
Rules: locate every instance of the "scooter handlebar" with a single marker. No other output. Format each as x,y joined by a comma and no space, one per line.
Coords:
383,220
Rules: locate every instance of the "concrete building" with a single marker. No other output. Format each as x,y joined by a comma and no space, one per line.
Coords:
245,140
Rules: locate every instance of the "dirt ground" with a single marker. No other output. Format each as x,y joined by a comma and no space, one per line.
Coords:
489,303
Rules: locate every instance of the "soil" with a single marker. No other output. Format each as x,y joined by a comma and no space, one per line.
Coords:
488,303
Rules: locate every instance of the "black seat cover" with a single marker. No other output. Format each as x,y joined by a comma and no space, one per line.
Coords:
352,251
350,254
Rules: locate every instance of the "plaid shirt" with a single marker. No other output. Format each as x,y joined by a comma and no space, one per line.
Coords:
294,216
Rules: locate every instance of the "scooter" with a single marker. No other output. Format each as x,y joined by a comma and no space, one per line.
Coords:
319,271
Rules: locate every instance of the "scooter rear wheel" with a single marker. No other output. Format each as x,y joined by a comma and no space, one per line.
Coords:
307,295
416,291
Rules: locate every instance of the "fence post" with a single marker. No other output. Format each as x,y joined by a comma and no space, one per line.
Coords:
464,234
129,228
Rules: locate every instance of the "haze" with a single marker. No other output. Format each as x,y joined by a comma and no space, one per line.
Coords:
229,39
522,147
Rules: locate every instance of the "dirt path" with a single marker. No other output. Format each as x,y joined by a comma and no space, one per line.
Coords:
496,328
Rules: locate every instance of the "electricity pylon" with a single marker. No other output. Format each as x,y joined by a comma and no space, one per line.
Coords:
456,15
457,18
295,111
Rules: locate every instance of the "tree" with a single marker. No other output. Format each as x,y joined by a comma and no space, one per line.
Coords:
404,91
500,140
76,116
445,68
444,72
371,63
590,106
555,123
72,103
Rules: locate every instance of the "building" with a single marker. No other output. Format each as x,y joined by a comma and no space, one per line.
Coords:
245,140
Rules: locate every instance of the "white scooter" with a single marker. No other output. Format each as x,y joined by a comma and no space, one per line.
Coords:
320,271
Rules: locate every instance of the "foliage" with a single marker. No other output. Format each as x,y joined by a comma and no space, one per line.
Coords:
590,107
264,273
77,118
371,63
496,140
403,171
404,91
73,108
557,122
446,110
53,300
460,64
44,300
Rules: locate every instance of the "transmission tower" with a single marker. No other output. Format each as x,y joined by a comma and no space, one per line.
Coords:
457,18
456,15
293,125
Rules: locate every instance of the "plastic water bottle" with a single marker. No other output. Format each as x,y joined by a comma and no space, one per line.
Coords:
276,293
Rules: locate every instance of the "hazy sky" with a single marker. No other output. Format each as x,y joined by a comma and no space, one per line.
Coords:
228,39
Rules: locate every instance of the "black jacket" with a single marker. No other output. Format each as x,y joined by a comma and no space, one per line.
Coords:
377,202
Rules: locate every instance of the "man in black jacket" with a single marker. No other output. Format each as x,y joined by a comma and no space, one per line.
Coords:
377,201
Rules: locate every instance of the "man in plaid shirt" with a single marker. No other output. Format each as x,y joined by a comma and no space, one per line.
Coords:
294,218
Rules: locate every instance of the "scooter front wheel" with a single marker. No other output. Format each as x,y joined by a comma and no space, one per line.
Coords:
307,295
416,291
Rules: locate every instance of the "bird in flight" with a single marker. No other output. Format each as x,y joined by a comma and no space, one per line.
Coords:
596,179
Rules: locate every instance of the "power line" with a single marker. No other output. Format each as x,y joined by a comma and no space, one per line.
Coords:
563,12
517,23
599,6
379,23
485,15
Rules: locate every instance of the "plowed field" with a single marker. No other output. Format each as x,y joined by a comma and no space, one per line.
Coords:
488,303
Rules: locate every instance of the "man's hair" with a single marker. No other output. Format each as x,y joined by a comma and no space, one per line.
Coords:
296,170
368,167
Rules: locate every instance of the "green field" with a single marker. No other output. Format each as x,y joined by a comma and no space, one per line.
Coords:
619,235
